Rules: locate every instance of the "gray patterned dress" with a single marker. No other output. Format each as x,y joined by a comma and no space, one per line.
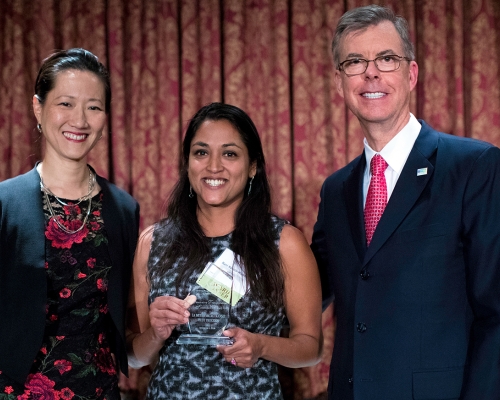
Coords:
199,371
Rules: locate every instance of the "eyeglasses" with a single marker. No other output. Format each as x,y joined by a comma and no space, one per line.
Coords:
358,66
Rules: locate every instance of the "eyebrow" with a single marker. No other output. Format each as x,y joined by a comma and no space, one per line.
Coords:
73,97
380,53
203,144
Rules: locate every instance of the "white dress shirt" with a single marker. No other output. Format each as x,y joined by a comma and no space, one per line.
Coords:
395,153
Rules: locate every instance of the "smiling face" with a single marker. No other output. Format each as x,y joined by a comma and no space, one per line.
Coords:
73,116
378,99
219,166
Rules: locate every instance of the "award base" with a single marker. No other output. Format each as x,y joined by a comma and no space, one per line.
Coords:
206,340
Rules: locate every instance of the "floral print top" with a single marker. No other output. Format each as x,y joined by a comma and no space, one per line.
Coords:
75,360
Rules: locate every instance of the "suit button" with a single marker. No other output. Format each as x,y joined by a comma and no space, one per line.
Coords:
361,327
364,274
351,380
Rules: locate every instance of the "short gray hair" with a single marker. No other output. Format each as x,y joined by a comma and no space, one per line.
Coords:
361,18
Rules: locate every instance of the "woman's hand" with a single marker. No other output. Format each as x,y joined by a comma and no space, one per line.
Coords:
165,312
246,349
149,325
302,300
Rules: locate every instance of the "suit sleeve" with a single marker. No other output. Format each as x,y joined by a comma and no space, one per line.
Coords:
481,239
320,250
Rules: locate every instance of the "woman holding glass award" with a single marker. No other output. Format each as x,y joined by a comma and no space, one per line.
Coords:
223,275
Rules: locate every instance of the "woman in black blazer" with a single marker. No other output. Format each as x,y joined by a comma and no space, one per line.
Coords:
67,239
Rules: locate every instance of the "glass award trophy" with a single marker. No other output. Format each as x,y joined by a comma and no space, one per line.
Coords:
207,321
218,288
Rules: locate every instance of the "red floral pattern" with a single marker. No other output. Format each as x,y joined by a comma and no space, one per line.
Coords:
66,394
63,366
75,359
40,387
105,362
102,285
65,293
72,209
61,239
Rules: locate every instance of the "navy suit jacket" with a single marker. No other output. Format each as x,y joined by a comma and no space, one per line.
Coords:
23,281
418,311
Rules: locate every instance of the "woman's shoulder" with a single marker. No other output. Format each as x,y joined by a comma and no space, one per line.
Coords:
31,175
278,224
13,187
289,235
146,236
294,248
278,221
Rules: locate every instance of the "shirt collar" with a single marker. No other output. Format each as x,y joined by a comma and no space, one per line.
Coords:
396,152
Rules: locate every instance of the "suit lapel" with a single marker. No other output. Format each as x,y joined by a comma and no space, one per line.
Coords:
30,217
353,196
410,185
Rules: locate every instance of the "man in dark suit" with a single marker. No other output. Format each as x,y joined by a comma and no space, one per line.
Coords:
408,250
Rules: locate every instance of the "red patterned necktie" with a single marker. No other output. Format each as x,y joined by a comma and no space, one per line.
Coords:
376,199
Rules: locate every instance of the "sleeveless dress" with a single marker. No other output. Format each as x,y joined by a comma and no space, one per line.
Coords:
189,371
74,361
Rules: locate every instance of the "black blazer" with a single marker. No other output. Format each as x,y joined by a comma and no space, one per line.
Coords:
418,311
23,281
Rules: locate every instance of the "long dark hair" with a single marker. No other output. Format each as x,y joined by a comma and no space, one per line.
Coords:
253,238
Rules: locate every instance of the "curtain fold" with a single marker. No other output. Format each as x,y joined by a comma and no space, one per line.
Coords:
272,58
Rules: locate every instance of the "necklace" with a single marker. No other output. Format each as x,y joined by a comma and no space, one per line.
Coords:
92,181
46,191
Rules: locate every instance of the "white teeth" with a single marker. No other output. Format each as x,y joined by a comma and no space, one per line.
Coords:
214,182
376,95
72,136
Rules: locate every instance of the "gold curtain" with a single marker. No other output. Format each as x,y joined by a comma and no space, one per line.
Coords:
270,57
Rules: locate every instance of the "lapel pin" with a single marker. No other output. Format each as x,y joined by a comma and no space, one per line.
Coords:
421,171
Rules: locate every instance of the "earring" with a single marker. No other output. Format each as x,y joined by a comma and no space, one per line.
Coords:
39,127
250,186
191,194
